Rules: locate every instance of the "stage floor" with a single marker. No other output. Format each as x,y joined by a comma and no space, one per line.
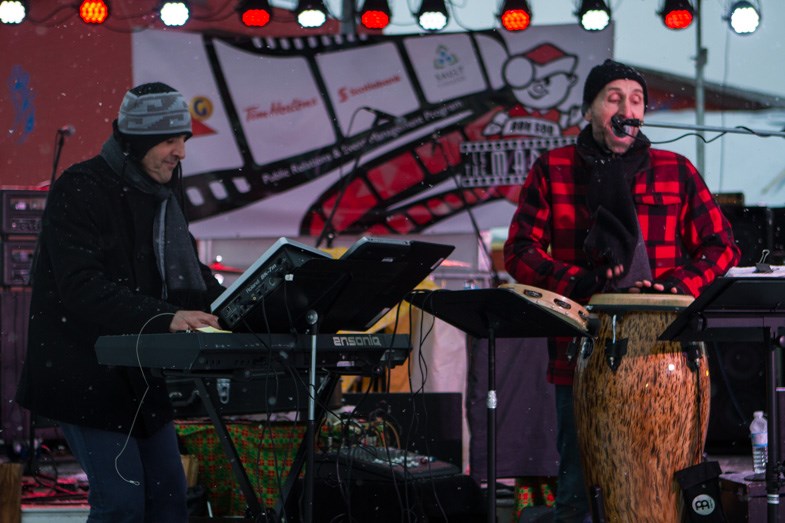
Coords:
66,507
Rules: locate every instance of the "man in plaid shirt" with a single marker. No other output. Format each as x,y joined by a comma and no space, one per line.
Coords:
611,214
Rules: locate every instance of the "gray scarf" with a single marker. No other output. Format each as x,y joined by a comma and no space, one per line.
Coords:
174,252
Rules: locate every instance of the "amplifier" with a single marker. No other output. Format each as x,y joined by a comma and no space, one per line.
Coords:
18,254
22,211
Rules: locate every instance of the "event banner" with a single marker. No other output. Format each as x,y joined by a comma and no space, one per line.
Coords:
371,134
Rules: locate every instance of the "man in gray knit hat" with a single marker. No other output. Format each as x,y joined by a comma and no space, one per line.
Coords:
115,257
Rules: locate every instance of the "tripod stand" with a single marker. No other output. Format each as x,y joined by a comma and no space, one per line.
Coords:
492,314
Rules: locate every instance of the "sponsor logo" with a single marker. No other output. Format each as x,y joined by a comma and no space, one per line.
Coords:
201,109
256,112
449,69
345,93
357,341
444,58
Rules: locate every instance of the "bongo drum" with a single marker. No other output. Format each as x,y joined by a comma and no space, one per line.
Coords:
568,310
645,420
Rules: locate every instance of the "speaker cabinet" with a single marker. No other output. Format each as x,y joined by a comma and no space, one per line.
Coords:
778,245
738,388
456,499
753,230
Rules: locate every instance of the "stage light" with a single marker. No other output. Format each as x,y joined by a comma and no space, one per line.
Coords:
174,14
516,15
94,11
594,15
432,15
254,13
13,11
743,17
375,14
311,13
677,14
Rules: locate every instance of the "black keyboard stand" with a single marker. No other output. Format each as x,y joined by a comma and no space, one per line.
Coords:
492,314
744,309
333,295
255,510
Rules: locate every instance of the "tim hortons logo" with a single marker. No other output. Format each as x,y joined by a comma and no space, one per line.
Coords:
357,341
256,112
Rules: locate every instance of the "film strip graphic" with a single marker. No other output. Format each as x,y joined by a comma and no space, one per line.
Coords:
482,172
493,163
380,196
220,191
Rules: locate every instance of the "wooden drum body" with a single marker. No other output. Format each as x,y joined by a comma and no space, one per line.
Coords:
639,424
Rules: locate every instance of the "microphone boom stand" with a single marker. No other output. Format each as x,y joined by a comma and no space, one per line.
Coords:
708,128
328,231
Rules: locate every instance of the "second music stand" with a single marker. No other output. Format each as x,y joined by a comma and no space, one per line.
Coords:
750,309
491,314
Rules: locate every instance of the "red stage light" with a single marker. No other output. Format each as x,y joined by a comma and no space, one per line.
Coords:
94,11
254,13
375,14
516,15
516,20
677,14
375,20
678,19
255,18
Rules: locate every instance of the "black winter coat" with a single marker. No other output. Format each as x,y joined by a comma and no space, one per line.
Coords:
94,275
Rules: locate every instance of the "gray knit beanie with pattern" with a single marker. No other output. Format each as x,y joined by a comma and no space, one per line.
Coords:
149,114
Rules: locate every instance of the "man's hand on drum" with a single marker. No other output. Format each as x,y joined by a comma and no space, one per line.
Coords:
649,286
614,271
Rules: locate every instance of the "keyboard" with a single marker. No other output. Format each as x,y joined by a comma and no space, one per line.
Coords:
197,351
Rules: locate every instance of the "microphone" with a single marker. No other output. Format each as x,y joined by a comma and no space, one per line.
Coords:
385,116
618,124
67,130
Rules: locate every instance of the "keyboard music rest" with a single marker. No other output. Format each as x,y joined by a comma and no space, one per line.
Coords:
198,351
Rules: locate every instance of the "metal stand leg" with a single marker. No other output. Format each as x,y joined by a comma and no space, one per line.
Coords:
310,433
772,465
491,405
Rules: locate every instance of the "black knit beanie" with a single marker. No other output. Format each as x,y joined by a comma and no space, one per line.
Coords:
149,114
603,74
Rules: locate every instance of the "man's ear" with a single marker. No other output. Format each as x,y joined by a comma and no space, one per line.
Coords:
587,114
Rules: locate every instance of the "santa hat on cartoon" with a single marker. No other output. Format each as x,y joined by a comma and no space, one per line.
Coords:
537,63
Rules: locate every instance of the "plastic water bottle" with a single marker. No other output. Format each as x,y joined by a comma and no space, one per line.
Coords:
759,433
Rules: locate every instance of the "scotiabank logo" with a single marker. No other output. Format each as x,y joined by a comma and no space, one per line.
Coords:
346,92
277,108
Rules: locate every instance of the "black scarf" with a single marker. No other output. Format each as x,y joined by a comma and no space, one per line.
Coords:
615,237
174,252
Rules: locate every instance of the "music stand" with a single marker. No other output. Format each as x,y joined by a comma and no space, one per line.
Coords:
493,313
345,294
750,309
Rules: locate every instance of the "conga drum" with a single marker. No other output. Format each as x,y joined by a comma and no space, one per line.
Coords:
641,407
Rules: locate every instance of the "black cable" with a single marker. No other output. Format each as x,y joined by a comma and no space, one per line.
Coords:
328,233
495,280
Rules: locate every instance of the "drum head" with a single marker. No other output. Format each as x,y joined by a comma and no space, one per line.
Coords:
640,301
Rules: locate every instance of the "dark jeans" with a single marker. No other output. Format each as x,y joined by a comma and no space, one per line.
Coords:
572,504
134,482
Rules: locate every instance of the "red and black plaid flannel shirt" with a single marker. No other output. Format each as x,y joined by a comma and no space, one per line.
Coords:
688,239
